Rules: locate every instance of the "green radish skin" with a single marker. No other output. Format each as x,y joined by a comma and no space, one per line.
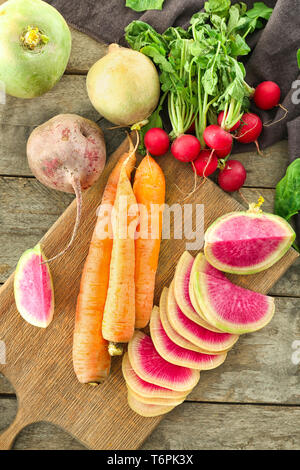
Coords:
238,328
32,63
147,410
210,238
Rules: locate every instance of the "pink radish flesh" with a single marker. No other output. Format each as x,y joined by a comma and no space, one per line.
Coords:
151,367
220,120
186,148
176,354
157,141
206,163
67,153
218,139
267,95
206,339
233,176
247,311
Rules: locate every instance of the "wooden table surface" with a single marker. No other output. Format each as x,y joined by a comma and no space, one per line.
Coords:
253,400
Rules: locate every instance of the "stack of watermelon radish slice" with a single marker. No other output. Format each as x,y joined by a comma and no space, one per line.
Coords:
202,313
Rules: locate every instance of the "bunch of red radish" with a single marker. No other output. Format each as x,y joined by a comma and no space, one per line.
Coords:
187,148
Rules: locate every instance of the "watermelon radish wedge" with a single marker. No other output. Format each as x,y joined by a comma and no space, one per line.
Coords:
247,242
33,288
246,311
155,401
172,334
202,266
151,367
210,341
147,389
146,410
181,289
176,354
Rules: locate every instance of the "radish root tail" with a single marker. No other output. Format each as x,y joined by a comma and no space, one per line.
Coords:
78,193
270,123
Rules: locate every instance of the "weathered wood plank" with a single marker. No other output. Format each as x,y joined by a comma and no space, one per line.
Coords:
85,52
191,426
259,369
226,427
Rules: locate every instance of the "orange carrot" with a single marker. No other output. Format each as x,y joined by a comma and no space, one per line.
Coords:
149,189
119,313
90,350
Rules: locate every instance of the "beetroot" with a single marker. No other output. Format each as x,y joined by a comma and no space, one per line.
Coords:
67,153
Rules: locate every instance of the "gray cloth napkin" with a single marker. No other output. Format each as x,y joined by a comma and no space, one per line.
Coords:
273,56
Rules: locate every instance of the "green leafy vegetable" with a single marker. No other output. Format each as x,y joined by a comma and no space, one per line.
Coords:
153,121
143,5
199,67
287,197
298,58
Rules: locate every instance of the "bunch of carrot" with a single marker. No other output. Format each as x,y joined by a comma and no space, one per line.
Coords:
117,284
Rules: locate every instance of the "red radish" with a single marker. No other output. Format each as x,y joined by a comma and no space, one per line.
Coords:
220,120
267,95
250,129
186,148
233,176
206,163
157,141
67,153
218,139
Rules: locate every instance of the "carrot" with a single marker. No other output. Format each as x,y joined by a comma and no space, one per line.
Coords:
119,313
90,350
149,189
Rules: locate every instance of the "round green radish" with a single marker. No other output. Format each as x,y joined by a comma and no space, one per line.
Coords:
175,354
146,410
210,341
33,288
247,242
35,45
155,401
200,265
181,290
151,367
232,308
147,389
172,334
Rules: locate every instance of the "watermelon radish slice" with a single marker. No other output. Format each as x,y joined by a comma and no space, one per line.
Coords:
146,389
33,288
176,354
181,286
246,311
214,343
146,410
151,367
200,265
172,334
156,401
247,242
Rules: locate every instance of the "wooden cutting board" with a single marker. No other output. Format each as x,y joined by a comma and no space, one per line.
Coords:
39,362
